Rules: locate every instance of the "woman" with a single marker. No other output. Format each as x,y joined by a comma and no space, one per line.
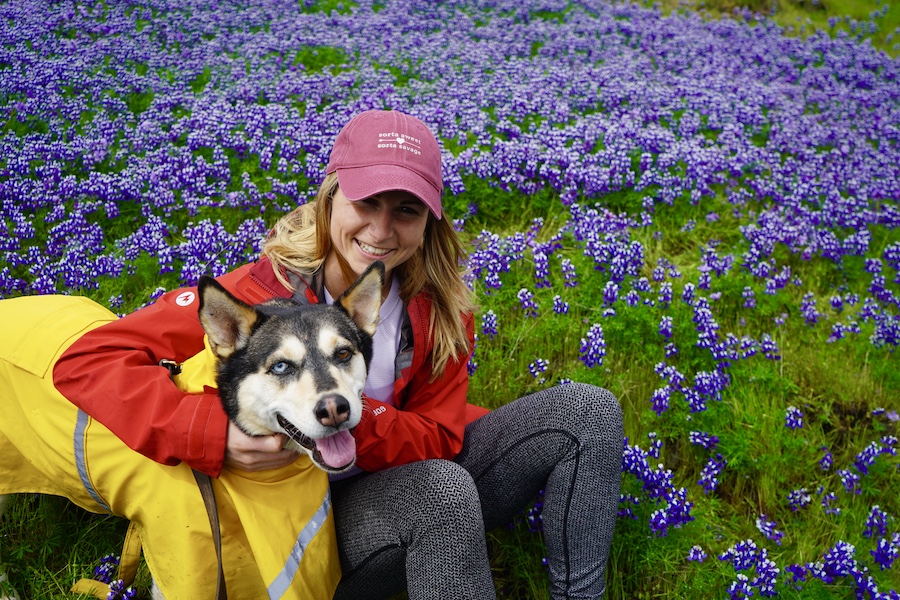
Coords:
434,473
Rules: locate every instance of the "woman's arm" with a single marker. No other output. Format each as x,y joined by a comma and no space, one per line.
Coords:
113,374
430,422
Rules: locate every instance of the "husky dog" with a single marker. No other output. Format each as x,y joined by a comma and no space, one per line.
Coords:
283,368
300,372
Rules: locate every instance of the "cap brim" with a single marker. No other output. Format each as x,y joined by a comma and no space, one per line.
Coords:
358,183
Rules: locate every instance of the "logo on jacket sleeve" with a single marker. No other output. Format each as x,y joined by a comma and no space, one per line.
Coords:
185,298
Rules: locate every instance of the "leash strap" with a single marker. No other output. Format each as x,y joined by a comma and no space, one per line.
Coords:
209,499
128,566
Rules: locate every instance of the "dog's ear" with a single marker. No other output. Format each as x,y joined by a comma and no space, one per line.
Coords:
227,321
363,299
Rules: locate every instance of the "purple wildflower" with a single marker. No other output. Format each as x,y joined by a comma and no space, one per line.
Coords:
570,277
665,327
703,439
799,498
659,400
749,297
528,303
876,522
593,347
709,477
768,529
560,306
538,367
794,418
610,293
697,554
665,294
541,269
886,551
828,501
489,324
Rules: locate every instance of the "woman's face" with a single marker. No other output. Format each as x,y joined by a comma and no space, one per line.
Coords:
388,227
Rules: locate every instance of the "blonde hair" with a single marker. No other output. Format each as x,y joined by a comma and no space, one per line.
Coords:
301,240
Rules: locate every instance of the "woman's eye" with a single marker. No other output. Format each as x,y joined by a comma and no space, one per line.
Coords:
280,368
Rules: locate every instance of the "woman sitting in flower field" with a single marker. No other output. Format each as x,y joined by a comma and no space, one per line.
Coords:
433,473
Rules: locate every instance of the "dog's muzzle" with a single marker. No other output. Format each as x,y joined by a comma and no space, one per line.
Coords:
334,453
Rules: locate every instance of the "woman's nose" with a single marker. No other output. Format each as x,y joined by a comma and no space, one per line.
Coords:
381,225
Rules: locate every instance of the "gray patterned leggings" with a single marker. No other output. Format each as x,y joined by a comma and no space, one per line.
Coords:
421,527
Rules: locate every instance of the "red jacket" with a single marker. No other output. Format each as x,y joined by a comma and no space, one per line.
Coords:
113,374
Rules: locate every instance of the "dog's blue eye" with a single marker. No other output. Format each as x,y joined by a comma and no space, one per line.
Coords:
280,368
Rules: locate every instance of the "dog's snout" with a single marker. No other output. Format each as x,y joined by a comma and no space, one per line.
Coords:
332,410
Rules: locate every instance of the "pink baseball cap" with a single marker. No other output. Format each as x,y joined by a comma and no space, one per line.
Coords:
384,150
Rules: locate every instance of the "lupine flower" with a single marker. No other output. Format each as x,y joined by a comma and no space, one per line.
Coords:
528,303
593,347
827,459
541,269
798,499
665,327
489,324
709,477
828,501
769,348
538,367
534,515
808,309
570,277
703,439
665,294
659,400
749,297
655,444
610,293
866,458
876,523
742,555
839,561
794,418
471,364
768,529
740,588
886,551
627,511
697,554
118,591
105,571
560,306
687,294
850,481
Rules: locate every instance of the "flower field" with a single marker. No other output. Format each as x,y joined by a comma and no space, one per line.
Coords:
698,213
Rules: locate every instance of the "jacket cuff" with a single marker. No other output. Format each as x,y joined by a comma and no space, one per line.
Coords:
206,438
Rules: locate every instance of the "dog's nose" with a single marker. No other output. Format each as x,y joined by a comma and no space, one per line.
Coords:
332,410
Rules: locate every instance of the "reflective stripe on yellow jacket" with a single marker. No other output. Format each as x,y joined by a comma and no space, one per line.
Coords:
278,537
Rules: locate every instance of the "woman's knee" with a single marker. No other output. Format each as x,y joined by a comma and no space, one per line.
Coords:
444,485
595,407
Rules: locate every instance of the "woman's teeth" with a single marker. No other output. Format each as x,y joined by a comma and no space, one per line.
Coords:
371,249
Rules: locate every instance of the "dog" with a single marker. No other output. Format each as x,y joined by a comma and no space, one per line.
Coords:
280,368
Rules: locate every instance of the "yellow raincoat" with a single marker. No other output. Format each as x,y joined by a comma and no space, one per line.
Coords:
278,538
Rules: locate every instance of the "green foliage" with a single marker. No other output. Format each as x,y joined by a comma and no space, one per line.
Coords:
319,58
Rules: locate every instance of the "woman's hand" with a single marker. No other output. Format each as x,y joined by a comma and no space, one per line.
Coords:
248,453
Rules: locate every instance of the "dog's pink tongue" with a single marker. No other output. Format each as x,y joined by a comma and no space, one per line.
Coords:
337,450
